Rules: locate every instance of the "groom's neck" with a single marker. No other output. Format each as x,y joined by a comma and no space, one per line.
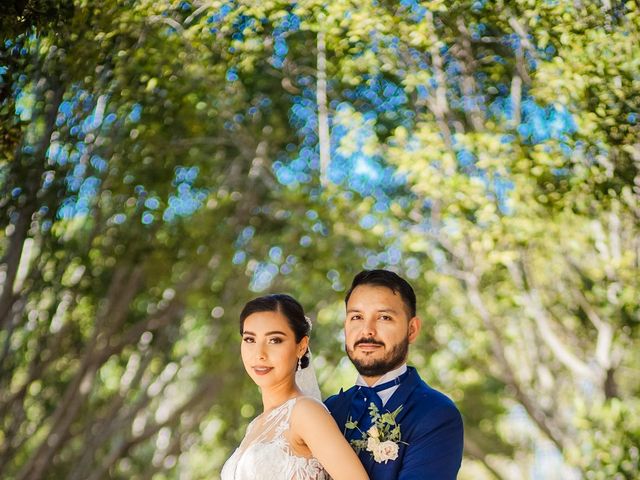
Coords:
385,377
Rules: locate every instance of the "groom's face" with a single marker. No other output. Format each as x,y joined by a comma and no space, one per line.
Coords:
378,330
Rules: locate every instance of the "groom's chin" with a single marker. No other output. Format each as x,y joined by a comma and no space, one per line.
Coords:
373,370
369,367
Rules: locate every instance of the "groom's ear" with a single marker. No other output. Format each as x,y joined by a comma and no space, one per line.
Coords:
414,328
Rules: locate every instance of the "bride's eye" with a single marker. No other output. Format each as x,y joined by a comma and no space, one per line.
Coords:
275,340
248,340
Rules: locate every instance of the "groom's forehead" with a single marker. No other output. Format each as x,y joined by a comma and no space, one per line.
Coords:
376,298
380,309
373,296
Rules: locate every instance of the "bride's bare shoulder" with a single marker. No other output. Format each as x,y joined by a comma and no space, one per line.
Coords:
306,398
309,410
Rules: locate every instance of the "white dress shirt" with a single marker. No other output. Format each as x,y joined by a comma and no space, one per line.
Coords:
385,395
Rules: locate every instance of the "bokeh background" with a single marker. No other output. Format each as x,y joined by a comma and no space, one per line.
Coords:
162,162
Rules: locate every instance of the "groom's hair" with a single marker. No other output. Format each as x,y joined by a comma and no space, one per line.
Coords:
390,280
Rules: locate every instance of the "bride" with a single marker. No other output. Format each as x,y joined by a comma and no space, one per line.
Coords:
295,438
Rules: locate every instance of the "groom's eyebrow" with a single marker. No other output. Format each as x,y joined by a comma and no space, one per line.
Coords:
381,310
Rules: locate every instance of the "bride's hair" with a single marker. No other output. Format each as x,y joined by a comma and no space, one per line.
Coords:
287,306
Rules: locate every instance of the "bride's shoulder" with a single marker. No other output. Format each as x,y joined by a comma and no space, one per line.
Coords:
310,416
306,406
306,402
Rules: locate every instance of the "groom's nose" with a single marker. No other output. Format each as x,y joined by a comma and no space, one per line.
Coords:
369,327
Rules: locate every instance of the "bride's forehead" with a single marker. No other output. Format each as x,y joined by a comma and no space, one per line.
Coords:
262,322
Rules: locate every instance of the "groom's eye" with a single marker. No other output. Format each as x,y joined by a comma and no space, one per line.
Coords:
385,317
356,317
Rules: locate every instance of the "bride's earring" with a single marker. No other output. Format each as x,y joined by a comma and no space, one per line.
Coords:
299,364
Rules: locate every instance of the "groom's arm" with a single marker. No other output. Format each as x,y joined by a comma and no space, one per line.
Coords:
436,453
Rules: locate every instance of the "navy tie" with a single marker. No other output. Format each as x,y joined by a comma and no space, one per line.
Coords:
364,397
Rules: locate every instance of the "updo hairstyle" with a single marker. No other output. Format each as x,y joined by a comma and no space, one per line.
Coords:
289,307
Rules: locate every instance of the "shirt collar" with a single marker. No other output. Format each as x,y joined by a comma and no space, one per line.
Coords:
387,377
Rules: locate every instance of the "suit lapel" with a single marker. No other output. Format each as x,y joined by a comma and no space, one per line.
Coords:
401,395
341,414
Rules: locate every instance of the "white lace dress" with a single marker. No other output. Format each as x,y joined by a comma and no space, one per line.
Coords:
265,452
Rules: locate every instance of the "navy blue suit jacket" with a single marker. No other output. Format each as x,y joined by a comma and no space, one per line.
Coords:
430,424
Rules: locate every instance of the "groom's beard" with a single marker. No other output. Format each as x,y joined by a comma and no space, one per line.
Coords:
378,367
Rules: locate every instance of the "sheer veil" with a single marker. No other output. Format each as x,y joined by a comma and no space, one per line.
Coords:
306,378
307,381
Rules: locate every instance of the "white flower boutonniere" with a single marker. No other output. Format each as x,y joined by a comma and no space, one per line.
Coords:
382,439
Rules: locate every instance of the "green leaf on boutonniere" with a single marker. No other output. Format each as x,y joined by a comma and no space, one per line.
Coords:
376,439
351,424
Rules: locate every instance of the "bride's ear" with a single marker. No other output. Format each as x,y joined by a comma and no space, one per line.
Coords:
303,345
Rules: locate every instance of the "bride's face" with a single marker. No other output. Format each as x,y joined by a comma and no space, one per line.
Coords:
269,349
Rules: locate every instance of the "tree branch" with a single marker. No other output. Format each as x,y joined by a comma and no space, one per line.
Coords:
472,449
467,63
534,306
206,391
324,141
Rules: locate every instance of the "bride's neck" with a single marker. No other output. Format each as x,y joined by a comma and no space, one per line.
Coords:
277,395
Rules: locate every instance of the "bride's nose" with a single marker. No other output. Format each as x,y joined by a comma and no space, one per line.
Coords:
260,352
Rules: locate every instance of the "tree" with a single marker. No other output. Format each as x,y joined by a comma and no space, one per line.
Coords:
134,170
164,161
522,162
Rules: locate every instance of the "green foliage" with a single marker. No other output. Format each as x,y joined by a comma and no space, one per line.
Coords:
609,439
118,333
386,428
20,16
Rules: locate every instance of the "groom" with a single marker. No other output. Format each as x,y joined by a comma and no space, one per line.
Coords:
380,324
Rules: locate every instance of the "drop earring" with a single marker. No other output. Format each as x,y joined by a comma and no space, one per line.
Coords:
299,364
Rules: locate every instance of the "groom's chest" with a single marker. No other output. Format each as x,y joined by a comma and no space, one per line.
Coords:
381,470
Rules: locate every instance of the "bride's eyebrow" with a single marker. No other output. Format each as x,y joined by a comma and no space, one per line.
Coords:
275,332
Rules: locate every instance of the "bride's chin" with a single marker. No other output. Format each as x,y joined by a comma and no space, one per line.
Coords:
261,380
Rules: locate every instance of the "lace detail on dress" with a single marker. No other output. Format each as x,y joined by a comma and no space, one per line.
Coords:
265,452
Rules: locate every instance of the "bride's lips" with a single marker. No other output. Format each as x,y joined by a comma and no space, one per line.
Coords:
262,370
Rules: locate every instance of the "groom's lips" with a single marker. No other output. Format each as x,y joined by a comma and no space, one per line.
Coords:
262,370
368,347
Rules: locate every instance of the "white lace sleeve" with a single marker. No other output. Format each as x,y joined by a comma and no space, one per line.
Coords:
265,452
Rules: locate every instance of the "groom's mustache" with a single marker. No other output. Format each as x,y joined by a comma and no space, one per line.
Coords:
369,341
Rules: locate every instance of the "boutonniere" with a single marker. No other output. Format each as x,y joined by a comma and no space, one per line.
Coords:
382,439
